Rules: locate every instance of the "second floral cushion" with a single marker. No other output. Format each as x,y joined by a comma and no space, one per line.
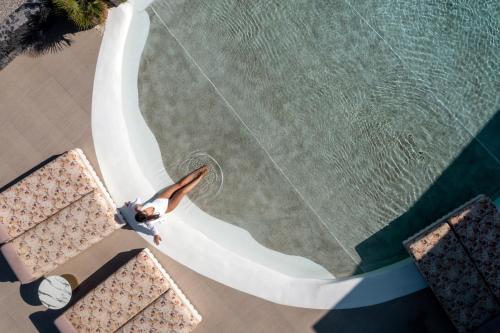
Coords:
120,297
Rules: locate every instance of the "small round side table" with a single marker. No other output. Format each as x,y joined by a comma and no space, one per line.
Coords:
55,292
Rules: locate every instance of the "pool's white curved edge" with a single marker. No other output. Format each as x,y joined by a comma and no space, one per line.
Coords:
130,161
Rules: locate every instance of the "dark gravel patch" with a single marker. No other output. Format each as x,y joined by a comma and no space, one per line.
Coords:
36,28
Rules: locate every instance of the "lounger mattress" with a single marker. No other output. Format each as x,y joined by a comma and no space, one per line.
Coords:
120,297
452,276
66,234
44,192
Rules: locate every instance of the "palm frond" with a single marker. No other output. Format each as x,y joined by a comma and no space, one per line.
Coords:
84,13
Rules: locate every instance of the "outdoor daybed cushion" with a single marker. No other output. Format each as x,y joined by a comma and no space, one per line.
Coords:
453,278
44,192
119,301
444,254
170,313
477,225
62,236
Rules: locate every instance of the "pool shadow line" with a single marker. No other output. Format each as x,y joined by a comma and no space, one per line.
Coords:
419,312
474,171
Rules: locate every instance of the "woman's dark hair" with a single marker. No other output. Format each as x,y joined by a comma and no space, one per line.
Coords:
141,217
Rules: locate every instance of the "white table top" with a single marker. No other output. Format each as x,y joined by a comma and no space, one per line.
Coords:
54,292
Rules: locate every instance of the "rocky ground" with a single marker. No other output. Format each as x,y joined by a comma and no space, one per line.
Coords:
16,26
8,6
34,27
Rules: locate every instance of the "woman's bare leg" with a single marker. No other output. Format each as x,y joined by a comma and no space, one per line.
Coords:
169,191
176,198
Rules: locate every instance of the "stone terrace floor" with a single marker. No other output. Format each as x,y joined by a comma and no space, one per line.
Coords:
45,108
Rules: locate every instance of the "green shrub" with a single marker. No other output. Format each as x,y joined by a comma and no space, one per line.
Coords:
84,13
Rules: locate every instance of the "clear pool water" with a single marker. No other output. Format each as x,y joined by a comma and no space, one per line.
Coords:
336,128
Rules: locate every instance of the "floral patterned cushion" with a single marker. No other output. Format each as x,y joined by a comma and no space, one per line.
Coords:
120,297
67,233
44,192
451,274
477,226
168,314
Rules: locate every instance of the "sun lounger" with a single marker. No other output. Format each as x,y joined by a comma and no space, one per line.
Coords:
53,214
446,254
477,225
44,192
139,297
170,313
61,237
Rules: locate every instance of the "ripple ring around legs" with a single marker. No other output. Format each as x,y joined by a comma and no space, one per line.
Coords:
212,184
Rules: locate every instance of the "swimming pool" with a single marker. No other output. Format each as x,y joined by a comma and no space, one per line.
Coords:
304,193
328,121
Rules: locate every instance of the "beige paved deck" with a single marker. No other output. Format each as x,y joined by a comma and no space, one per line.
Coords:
44,110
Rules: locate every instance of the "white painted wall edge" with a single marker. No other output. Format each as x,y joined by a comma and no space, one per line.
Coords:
130,161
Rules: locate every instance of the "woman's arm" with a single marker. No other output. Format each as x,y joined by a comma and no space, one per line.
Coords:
157,239
154,231
148,225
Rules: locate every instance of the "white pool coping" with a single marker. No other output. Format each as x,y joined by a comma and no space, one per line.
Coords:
131,164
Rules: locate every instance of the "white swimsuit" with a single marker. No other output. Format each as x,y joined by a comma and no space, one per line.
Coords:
160,206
